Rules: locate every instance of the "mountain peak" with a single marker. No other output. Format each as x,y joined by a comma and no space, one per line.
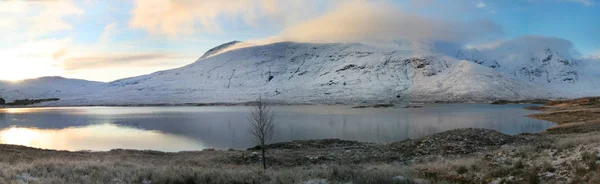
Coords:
224,48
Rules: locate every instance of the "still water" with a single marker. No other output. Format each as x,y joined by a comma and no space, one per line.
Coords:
197,128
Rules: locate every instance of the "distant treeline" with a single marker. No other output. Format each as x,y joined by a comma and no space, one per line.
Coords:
27,101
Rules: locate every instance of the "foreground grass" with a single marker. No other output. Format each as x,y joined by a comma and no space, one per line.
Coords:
28,165
138,169
548,158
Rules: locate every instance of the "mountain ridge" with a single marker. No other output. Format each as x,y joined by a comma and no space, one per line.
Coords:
332,73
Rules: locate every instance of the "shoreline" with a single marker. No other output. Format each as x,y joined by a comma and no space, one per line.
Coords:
226,104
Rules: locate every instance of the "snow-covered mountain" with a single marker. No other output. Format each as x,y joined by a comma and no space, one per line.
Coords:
318,73
541,66
47,87
342,73
224,48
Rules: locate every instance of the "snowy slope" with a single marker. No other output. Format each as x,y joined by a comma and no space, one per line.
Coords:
316,73
336,73
468,81
224,48
47,87
542,66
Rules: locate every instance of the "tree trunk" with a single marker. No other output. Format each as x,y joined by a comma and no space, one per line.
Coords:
264,159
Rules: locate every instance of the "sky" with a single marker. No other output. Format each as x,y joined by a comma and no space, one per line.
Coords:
108,40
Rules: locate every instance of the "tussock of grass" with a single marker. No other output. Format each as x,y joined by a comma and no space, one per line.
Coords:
124,166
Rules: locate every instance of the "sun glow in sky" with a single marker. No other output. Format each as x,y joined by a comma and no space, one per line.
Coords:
108,40
26,65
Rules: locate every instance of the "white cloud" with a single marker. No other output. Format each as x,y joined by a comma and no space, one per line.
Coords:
14,7
116,60
107,59
50,19
480,5
108,33
595,55
529,44
22,53
23,21
584,2
361,21
189,16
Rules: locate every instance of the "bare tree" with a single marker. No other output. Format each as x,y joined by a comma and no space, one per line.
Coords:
262,126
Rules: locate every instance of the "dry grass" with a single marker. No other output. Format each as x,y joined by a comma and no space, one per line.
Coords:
21,164
94,172
569,158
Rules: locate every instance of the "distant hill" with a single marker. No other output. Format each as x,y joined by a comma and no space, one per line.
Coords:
47,87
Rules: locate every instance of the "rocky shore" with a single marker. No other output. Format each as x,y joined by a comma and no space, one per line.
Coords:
568,153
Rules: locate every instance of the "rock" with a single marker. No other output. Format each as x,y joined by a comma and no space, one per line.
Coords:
400,178
548,175
420,181
316,181
24,178
116,181
312,157
374,106
318,143
500,102
459,141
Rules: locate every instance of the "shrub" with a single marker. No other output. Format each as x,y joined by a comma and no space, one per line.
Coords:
462,170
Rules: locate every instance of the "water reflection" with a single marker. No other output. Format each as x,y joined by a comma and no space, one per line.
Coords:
195,128
20,110
100,137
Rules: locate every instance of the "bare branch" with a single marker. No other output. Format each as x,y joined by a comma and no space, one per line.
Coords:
262,126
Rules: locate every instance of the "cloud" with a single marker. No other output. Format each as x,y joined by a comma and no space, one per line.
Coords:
361,21
584,2
595,55
50,19
116,60
177,17
108,33
480,5
39,18
529,44
59,54
14,7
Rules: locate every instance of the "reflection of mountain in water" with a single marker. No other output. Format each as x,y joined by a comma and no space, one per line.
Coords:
225,127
